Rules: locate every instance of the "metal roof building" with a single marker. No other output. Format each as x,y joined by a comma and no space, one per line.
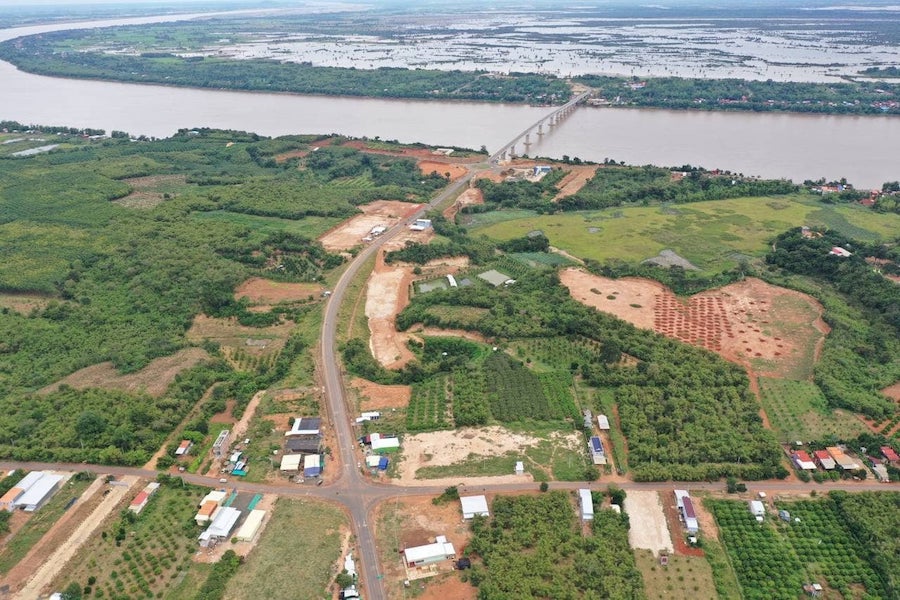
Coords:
586,503
843,461
474,505
598,455
603,422
686,508
824,459
440,550
8,501
221,526
312,465
305,426
38,493
494,277
803,461
251,526
291,462
384,444
305,445
140,501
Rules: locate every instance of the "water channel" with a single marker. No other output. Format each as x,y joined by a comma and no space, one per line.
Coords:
865,150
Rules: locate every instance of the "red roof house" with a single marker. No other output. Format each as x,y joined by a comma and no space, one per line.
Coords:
889,454
824,459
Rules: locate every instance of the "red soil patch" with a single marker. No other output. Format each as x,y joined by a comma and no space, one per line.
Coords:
373,395
442,168
574,180
265,291
469,197
679,542
892,391
280,158
154,379
351,232
226,416
451,587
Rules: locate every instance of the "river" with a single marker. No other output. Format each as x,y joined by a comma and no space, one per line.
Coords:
865,150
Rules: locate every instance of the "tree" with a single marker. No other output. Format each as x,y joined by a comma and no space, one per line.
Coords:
343,579
72,592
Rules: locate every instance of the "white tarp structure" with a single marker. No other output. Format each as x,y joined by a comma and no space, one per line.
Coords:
586,503
474,505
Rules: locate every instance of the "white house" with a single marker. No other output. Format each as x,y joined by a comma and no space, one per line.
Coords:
224,521
586,503
42,490
758,510
686,508
440,550
474,505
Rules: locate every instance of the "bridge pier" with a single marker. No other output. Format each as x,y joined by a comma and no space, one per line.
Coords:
540,128
527,139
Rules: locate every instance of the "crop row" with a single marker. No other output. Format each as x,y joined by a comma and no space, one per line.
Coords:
470,405
515,393
561,352
557,388
427,408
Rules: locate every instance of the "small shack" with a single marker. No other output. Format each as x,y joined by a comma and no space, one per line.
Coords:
312,465
184,447
251,526
520,467
368,416
588,418
418,556
474,505
586,504
686,509
603,422
291,462
140,501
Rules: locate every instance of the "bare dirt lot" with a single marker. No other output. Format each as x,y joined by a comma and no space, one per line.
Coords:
648,522
574,180
154,379
768,329
350,233
469,197
145,193
265,291
442,168
442,448
23,303
892,391
374,395
414,521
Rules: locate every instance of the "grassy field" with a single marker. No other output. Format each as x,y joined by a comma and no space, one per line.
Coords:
352,321
709,234
685,578
309,227
726,582
799,411
40,523
296,555
150,556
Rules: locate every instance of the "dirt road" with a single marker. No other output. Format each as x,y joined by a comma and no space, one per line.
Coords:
56,561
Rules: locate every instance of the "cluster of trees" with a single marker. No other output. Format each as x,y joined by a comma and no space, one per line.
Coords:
214,586
863,309
862,97
531,547
873,519
688,414
48,54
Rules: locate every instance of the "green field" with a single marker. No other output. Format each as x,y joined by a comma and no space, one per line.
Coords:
309,227
797,410
709,234
295,556
685,577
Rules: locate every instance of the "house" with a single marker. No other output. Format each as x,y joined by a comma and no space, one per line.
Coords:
686,508
889,454
384,443
598,455
8,501
220,446
206,513
494,277
843,461
302,445
603,422
291,462
838,251
520,467
452,281
824,460
474,505
140,501
38,492
251,526
586,504
803,461
184,447
428,554
368,416
758,510
420,225
225,520
308,426
312,465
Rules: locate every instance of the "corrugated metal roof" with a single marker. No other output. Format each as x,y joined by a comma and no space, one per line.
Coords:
36,493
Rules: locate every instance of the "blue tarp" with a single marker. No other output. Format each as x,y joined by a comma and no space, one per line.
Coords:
312,472
383,463
596,445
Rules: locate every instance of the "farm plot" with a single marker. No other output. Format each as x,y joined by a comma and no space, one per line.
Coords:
427,409
270,572
797,410
556,352
685,577
517,394
774,559
141,555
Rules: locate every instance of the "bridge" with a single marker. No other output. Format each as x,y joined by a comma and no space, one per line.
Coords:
551,120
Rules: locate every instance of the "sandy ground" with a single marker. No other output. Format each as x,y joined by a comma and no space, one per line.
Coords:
351,232
64,552
442,168
648,522
745,321
154,379
228,332
574,180
469,197
460,333
420,522
23,303
373,395
441,448
265,291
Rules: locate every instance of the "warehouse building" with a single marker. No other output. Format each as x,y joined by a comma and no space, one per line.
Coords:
251,526
440,550
686,509
221,526
586,504
140,501
474,505
39,492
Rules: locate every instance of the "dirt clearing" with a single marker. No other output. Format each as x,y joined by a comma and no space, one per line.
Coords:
24,303
648,522
265,291
444,169
374,395
350,233
470,197
574,180
154,379
765,328
147,192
